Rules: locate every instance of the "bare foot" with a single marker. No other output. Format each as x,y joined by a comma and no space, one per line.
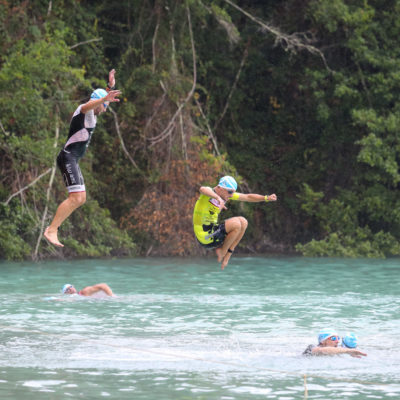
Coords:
220,254
225,260
52,237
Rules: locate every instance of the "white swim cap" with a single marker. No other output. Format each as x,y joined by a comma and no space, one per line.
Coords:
98,94
66,287
325,334
227,182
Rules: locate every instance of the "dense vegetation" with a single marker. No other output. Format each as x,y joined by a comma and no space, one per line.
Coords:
297,98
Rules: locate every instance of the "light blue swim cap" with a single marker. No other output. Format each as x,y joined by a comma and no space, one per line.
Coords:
65,287
227,182
350,341
98,94
325,333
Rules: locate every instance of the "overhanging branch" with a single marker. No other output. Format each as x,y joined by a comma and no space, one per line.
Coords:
293,42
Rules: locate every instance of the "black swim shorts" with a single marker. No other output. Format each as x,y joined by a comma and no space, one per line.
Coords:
216,233
72,175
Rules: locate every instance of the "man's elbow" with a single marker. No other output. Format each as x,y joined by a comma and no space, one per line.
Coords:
203,189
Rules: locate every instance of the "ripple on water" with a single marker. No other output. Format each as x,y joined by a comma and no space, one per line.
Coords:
187,327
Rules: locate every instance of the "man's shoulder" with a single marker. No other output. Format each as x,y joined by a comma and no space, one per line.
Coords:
308,350
78,111
86,291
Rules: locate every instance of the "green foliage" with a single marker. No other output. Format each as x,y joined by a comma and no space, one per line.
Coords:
14,223
93,233
324,140
361,243
341,220
39,85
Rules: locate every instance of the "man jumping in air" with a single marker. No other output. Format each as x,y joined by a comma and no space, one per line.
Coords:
225,236
80,132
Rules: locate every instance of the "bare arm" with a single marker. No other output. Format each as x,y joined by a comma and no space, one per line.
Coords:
328,351
92,104
111,80
89,290
206,190
256,198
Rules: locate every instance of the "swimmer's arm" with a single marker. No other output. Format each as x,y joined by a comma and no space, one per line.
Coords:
329,351
89,290
254,198
92,104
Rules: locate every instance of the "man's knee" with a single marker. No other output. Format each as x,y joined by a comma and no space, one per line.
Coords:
77,199
243,223
233,224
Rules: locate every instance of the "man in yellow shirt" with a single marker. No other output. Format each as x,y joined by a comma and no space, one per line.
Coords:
223,237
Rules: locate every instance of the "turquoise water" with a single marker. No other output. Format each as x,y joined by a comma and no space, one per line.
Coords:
183,329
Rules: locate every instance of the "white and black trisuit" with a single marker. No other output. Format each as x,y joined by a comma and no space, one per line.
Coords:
80,133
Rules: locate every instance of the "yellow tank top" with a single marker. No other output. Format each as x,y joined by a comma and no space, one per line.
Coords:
206,212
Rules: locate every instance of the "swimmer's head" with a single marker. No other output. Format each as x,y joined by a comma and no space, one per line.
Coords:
228,183
326,334
68,289
99,94
350,341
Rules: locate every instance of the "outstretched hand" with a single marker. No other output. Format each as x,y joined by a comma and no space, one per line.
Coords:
357,353
112,96
272,197
111,78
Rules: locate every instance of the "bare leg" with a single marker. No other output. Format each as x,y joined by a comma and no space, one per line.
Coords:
64,210
219,254
232,227
231,247
243,227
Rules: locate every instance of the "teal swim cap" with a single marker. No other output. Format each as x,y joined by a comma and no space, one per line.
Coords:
98,94
227,182
325,334
350,341
66,287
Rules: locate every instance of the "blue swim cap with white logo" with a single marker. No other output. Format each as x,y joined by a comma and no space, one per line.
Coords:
98,94
227,182
350,341
65,287
325,334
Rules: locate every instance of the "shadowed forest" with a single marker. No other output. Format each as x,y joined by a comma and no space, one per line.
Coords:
297,98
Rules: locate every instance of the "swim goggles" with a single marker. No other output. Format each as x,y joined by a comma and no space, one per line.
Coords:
334,338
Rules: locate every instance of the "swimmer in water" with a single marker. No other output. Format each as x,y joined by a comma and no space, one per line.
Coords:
226,236
88,290
81,129
328,345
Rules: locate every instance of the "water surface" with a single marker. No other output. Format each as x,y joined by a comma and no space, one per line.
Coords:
183,329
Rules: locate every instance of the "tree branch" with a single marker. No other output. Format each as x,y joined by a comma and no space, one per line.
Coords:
26,187
293,42
2,128
121,139
210,132
184,149
153,42
157,108
167,130
85,42
245,54
49,8
53,172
